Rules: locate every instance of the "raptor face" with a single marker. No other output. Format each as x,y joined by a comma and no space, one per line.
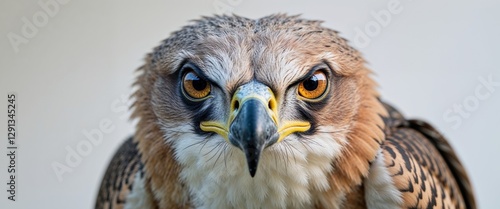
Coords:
237,98
252,119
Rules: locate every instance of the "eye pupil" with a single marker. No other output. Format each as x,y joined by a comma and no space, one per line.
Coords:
199,84
311,84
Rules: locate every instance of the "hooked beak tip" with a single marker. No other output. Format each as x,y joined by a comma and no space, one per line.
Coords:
252,156
252,172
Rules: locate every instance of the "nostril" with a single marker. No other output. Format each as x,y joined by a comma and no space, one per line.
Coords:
271,104
236,105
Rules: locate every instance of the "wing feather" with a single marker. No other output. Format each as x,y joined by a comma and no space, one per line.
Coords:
423,165
119,177
454,164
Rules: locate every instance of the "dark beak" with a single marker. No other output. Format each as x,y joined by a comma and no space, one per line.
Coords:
252,130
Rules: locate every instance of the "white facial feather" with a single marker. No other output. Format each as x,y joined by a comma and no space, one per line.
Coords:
289,172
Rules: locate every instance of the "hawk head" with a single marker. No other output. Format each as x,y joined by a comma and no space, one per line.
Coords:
273,112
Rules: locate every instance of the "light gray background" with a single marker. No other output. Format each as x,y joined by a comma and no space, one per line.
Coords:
72,74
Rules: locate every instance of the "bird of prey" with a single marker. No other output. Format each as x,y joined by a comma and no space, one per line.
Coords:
276,112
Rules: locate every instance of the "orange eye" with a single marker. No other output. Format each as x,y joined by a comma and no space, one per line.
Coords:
313,87
194,86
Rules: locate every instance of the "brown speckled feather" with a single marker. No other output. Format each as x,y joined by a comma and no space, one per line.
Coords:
119,177
423,165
